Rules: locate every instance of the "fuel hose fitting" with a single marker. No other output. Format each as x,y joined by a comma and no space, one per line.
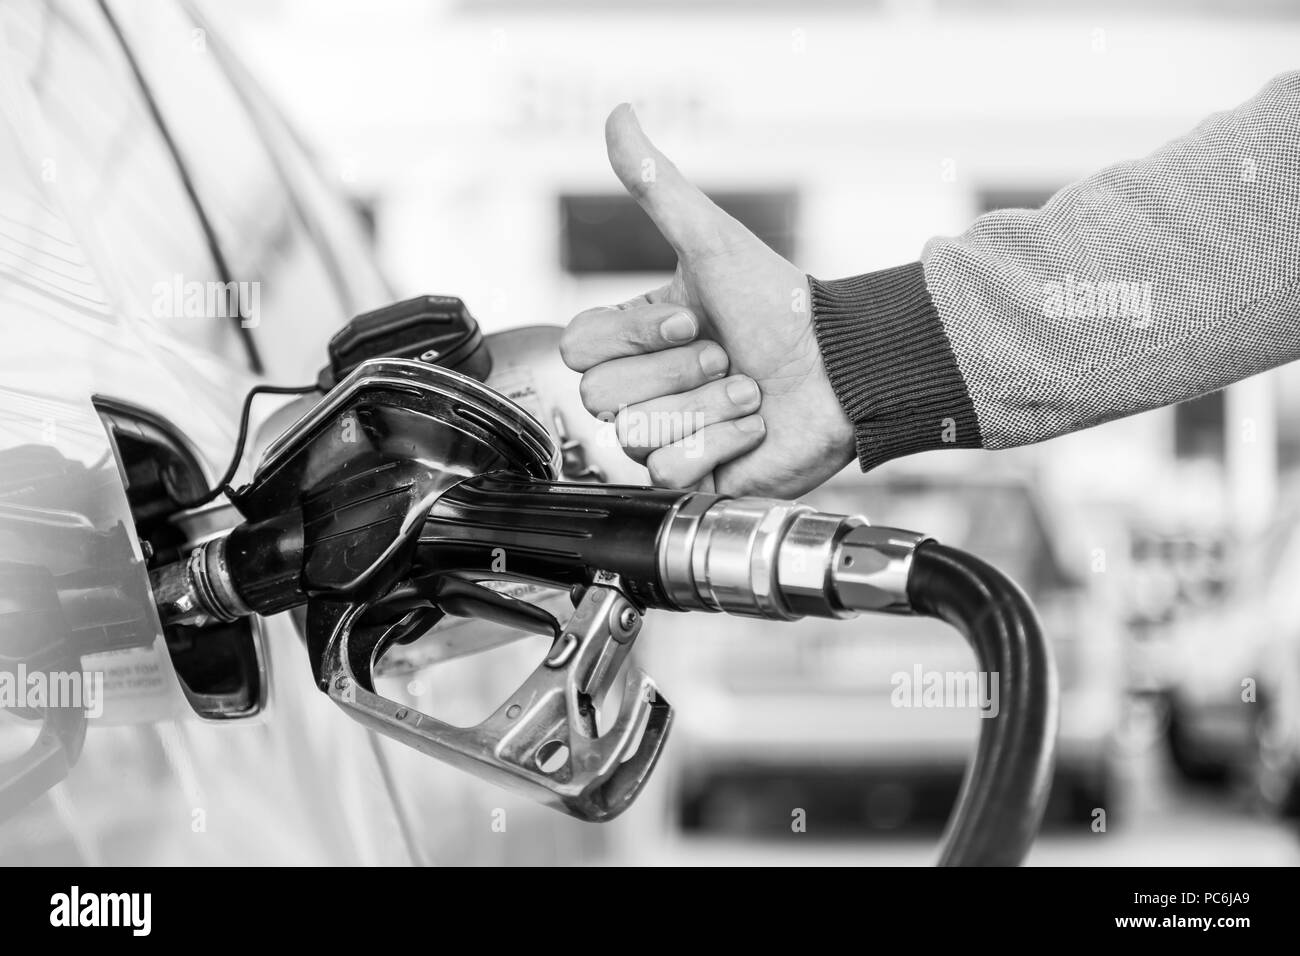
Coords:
762,557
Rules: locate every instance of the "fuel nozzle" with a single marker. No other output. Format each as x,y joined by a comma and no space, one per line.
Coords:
333,522
622,549
409,491
683,551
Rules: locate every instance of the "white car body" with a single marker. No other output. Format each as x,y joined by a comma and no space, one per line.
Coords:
112,197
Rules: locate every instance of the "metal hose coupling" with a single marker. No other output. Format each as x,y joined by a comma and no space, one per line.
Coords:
198,590
768,558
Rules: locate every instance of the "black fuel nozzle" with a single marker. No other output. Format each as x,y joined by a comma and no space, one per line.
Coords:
410,490
334,517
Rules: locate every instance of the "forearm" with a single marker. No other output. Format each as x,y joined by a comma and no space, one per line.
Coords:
1145,284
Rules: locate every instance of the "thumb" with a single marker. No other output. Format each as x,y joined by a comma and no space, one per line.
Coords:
687,218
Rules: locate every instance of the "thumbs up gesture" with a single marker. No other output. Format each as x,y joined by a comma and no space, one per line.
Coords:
714,380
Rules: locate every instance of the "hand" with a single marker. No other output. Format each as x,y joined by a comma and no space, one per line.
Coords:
715,378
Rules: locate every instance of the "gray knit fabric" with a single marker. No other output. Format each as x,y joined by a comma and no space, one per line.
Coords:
1150,282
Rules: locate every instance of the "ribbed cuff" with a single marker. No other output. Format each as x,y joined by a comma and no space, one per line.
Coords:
891,364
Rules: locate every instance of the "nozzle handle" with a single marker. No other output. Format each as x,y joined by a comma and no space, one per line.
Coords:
516,527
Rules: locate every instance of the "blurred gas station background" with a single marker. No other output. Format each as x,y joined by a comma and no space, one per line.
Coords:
1160,550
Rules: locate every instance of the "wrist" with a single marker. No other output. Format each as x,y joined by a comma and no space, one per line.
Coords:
840,432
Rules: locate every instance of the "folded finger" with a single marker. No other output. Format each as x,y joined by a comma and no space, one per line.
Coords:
609,386
689,461
643,427
602,334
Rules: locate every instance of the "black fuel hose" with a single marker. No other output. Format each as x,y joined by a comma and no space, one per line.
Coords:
1007,784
